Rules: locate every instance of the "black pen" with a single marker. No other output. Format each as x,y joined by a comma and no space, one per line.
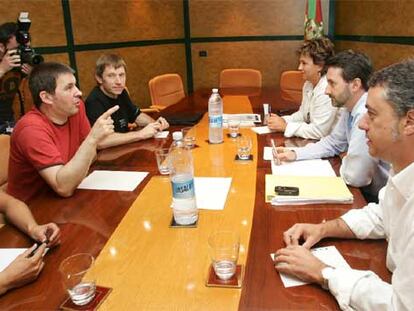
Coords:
35,250
38,244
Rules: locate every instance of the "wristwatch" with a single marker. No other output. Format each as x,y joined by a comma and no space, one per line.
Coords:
327,273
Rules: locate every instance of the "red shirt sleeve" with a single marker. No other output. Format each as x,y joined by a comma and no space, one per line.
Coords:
39,147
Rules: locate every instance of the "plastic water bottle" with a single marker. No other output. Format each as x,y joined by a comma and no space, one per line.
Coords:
178,141
215,118
182,182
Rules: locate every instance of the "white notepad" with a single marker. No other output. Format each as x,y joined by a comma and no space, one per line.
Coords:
113,180
329,255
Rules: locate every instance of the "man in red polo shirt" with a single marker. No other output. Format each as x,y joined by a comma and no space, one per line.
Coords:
53,144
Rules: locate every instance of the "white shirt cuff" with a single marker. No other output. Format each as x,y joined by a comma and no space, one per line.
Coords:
342,283
291,128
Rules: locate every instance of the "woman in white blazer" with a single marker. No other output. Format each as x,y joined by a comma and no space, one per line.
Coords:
316,116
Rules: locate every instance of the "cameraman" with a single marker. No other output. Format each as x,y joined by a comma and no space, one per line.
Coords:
9,79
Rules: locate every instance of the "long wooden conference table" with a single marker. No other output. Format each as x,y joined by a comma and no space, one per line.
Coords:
151,266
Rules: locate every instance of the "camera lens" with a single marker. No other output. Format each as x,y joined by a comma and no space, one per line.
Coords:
37,59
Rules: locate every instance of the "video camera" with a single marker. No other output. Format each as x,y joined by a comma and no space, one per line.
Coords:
27,54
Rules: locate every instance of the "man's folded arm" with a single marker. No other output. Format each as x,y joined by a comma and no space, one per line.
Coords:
65,178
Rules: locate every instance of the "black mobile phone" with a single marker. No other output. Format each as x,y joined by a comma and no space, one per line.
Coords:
286,190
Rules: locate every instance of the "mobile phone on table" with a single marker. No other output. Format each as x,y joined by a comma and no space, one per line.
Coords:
286,190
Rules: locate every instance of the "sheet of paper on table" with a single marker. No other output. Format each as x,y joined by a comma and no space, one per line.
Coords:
268,154
328,255
7,255
246,119
113,180
211,192
163,134
261,130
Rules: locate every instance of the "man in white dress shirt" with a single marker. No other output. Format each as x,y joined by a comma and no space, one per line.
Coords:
389,128
347,75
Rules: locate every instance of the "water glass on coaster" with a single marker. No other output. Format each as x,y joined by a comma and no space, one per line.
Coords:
77,278
189,136
162,160
224,252
244,147
234,125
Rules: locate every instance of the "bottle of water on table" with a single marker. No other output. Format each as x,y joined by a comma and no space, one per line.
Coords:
182,182
215,118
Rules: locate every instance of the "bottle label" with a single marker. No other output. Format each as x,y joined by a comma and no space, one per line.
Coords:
183,190
216,121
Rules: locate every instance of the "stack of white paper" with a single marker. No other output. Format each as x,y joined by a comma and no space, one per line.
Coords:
290,200
329,255
113,180
316,167
312,190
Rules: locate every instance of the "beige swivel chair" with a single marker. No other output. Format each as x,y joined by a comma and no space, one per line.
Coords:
291,83
230,78
165,90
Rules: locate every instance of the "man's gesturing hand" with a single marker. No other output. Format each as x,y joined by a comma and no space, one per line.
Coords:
104,126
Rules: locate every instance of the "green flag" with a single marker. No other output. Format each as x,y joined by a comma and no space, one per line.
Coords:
313,19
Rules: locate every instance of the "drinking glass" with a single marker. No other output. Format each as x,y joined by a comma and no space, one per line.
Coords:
234,124
224,252
189,136
244,147
78,282
162,160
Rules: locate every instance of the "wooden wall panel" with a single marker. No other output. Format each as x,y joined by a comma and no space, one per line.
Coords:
102,21
60,58
246,18
47,27
381,54
143,64
270,57
376,18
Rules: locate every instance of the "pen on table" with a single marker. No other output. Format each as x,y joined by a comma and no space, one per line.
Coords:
48,233
277,161
34,250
